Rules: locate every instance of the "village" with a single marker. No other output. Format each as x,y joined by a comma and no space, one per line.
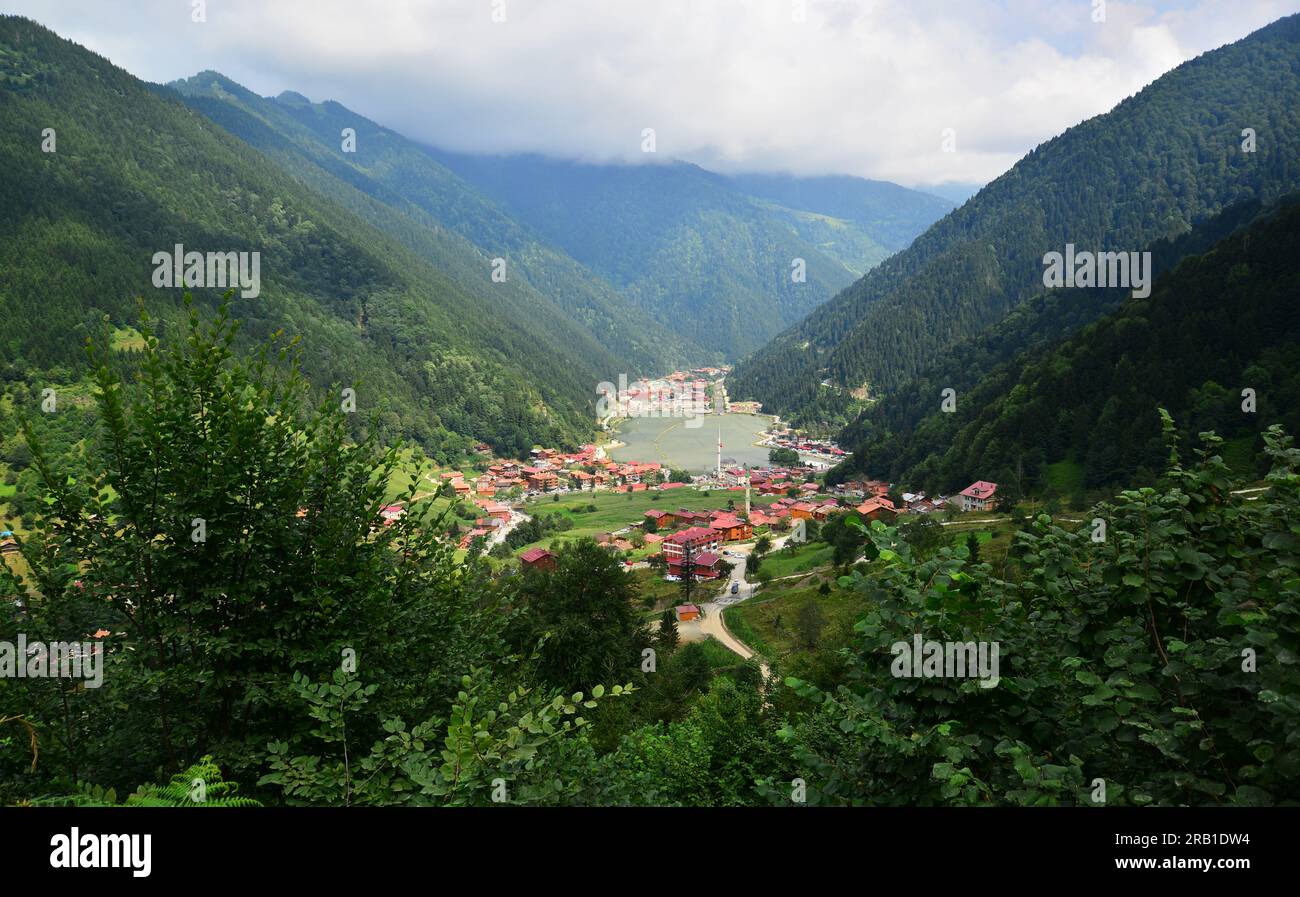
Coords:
731,504
666,525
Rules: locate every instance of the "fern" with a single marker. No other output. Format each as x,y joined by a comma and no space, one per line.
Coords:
201,785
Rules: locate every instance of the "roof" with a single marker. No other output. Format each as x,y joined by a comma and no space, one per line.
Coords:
706,559
980,489
687,608
691,534
533,555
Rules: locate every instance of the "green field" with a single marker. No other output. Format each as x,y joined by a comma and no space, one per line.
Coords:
719,656
798,559
614,510
651,585
770,623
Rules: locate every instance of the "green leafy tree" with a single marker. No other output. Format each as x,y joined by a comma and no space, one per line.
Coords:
227,535
582,612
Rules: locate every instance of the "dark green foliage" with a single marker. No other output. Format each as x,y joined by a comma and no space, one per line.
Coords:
537,527
847,540
582,613
1153,167
1227,316
811,621
783,456
667,637
1161,661
226,535
442,357
201,785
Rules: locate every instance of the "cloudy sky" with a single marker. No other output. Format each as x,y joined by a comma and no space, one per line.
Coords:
863,87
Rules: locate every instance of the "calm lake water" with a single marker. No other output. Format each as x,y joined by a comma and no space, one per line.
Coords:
670,442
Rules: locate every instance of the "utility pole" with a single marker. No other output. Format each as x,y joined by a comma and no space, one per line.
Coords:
688,573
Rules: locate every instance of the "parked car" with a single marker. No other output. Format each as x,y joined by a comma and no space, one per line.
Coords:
735,587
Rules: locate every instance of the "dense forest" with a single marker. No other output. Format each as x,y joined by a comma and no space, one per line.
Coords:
694,250
397,186
1153,167
1222,309
264,632
407,330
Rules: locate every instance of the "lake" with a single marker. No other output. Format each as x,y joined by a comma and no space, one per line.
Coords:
670,442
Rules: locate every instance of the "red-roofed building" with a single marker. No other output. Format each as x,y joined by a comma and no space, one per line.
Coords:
877,508
663,519
802,510
542,480
537,559
707,566
477,532
697,539
691,518
730,528
978,496
687,612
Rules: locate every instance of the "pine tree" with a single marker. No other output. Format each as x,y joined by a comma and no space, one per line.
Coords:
668,637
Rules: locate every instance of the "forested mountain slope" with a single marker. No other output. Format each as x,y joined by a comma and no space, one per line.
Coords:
1161,161
134,173
1218,323
891,215
396,185
689,247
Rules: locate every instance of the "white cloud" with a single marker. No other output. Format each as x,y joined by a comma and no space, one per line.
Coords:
861,87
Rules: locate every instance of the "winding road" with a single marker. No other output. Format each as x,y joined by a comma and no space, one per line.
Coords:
710,623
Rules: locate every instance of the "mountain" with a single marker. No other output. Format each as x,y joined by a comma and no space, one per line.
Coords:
430,345
397,186
889,215
1082,410
693,248
1161,161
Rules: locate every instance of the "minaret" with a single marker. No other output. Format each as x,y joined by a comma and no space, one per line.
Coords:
719,453
747,479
